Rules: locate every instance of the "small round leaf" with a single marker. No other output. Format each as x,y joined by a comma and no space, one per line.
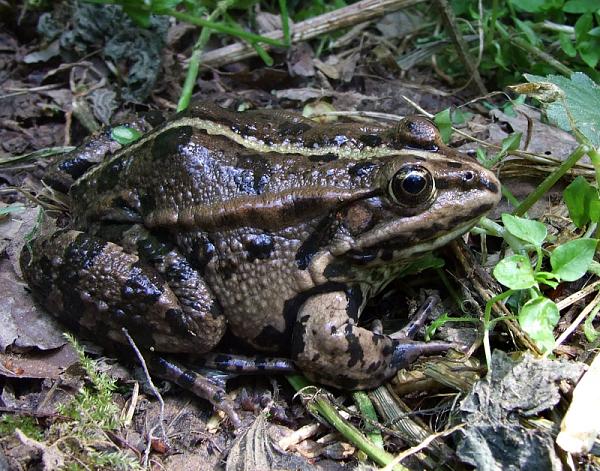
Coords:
538,317
515,272
570,261
530,231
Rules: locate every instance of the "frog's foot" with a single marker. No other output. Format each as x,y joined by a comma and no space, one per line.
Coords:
242,365
410,330
96,287
330,348
196,384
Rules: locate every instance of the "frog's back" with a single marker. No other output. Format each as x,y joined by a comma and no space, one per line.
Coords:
187,177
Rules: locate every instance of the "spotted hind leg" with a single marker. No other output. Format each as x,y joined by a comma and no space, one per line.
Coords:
330,348
98,289
96,286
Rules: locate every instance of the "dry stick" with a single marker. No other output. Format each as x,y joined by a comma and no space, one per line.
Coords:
424,444
580,318
360,12
449,20
161,417
577,296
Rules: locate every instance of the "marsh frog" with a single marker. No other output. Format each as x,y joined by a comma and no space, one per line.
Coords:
265,223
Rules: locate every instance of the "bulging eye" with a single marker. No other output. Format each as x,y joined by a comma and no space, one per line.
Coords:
412,185
418,132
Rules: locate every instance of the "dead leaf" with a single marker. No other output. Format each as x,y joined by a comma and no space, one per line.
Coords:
545,139
301,61
38,365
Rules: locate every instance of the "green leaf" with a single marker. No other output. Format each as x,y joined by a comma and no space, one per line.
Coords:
594,268
570,261
546,278
579,196
578,105
525,26
12,208
481,155
530,231
140,16
538,317
580,6
589,52
515,272
512,142
583,26
590,333
460,116
566,44
158,5
595,210
530,6
125,135
444,123
595,32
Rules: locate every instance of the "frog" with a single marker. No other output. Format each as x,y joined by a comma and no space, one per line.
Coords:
262,223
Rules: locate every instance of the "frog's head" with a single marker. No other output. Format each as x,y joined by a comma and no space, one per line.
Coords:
421,199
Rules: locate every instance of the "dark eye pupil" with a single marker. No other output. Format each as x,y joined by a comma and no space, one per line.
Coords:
414,183
412,186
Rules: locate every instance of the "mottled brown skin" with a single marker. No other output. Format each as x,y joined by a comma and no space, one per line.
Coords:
265,223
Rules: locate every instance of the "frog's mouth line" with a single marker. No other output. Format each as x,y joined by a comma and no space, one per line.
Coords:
393,251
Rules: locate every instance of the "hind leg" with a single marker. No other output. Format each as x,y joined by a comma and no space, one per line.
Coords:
97,288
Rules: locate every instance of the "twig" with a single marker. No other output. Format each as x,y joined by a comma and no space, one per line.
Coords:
359,12
584,313
425,443
461,46
155,391
577,296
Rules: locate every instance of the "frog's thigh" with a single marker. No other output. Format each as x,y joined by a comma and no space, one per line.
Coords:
93,284
329,348
194,295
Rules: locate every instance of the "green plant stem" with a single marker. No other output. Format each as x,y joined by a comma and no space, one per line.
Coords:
325,409
285,22
590,230
367,409
263,54
544,56
493,21
538,262
240,33
487,325
595,158
490,227
194,63
550,180
509,196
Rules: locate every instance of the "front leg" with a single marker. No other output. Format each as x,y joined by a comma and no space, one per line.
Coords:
331,349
